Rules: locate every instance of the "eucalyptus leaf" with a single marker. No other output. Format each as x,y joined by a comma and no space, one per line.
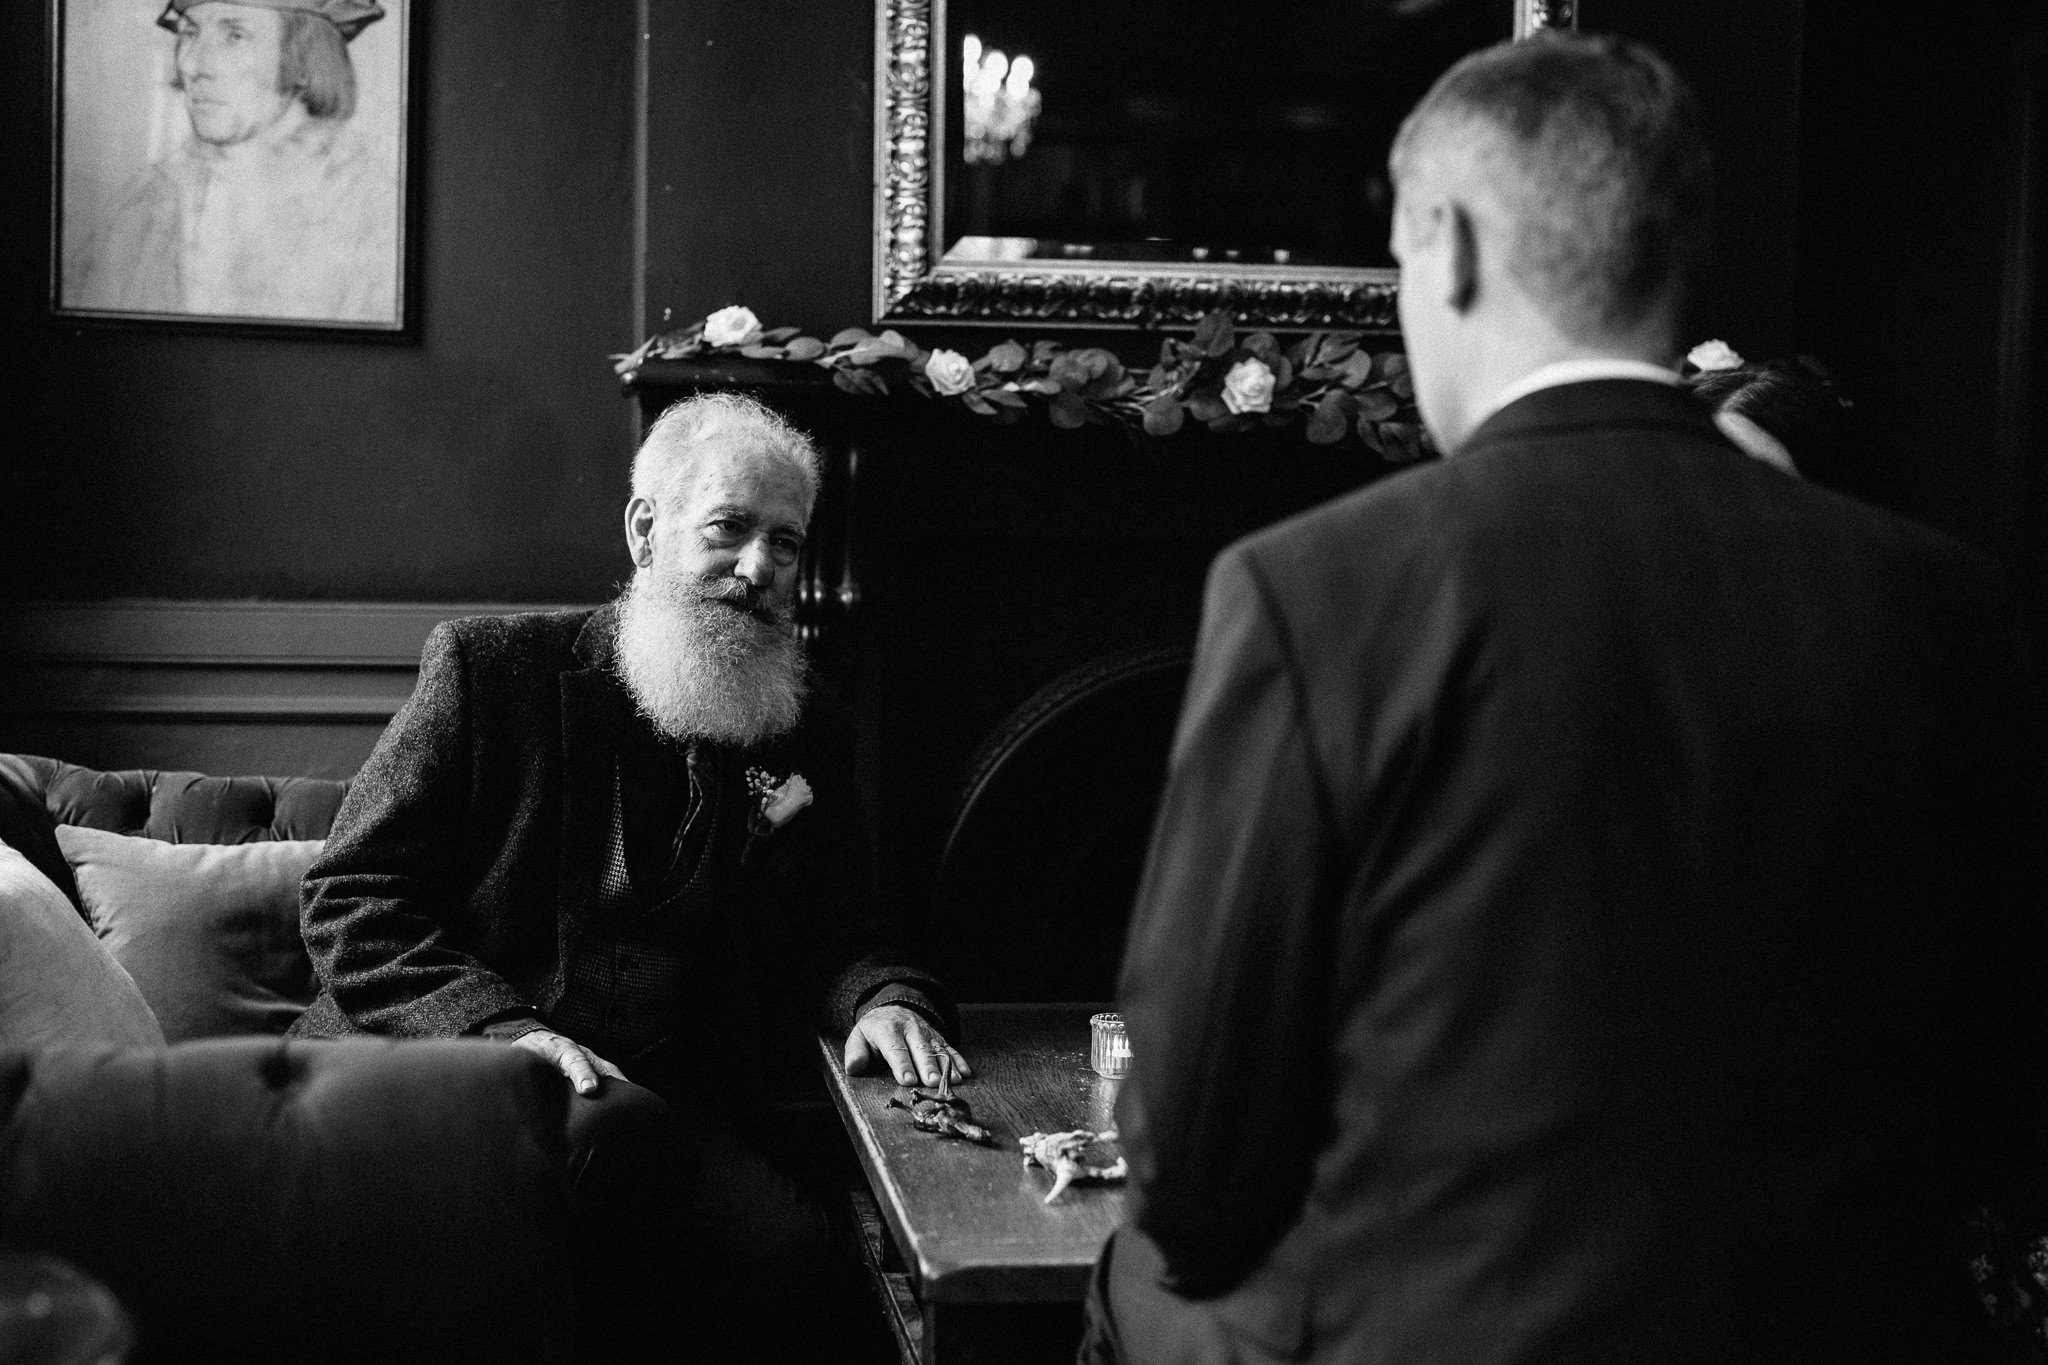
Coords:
1206,407
760,352
1042,352
1004,398
974,402
1067,410
1338,347
1328,423
1264,346
1405,444
777,335
1164,416
1403,384
1214,334
1377,405
804,348
850,336
1392,363
1355,370
1283,373
1006,358
1369,432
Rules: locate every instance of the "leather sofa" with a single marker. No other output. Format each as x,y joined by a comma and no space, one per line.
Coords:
253,1198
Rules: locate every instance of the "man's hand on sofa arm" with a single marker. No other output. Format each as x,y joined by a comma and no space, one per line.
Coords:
906,1043
582,1066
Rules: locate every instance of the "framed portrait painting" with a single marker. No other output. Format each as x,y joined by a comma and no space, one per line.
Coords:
234,164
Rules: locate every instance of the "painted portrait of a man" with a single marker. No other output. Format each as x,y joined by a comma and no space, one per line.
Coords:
256,175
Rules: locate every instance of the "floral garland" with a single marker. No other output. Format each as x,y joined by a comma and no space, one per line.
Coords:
1327,381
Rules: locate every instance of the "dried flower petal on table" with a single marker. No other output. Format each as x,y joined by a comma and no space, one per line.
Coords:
1060,1153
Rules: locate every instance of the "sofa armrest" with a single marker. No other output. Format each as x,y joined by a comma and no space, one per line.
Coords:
321,1201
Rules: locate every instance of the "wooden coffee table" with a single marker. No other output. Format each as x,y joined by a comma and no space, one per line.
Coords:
972,1262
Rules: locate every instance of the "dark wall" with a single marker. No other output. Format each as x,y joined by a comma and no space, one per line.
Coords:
484,462
1914,286
760,160
761,175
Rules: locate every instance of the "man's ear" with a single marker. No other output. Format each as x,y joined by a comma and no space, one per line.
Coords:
640,531
1464,257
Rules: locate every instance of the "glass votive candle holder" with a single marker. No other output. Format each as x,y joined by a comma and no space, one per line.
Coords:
1109,1047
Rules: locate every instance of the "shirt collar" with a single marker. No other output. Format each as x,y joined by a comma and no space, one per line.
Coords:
1578,372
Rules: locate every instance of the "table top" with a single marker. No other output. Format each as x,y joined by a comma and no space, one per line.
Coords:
970,1220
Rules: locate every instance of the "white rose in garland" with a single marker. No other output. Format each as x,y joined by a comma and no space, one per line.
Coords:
733,325
950,372
1713,355
1248,387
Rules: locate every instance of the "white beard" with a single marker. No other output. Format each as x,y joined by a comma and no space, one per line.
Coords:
697,667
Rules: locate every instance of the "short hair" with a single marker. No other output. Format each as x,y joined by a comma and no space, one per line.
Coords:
1792,403
313,63
1595,149
668,456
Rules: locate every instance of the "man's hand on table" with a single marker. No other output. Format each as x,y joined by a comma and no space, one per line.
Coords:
901,1041
571,1058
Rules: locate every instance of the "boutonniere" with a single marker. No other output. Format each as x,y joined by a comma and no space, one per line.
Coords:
776,799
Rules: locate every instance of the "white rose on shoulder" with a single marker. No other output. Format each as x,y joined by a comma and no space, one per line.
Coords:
732,326
1248,387
1713,355
950,372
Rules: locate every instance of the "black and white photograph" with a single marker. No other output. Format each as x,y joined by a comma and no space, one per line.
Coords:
232,161
946,682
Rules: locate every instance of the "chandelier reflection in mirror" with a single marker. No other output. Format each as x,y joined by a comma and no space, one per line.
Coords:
998,105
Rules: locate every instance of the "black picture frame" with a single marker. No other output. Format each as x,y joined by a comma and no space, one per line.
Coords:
155,227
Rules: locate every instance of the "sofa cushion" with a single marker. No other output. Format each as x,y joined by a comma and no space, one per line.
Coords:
210,932
256,1199
58,983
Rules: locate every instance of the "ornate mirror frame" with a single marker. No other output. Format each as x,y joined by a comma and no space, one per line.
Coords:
913,284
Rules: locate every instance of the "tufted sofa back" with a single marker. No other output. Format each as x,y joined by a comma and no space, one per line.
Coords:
39,794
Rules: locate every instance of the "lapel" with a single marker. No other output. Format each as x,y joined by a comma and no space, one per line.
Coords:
595,712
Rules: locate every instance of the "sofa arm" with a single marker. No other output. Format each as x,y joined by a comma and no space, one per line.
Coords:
258,1199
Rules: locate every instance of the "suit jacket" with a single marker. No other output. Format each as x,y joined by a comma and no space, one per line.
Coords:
1556,938
465,861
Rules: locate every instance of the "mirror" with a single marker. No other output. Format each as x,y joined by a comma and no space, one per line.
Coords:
1066,163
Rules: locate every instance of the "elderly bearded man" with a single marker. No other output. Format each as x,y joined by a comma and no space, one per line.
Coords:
274,206
565,839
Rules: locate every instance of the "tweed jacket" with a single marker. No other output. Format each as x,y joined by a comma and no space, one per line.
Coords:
1558,937
465,861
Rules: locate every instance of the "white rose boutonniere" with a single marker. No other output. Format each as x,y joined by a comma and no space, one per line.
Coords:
776,799
732,325
950,372
1248,387
1713,355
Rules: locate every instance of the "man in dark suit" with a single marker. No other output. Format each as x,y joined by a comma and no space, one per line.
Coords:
628,841
1574,929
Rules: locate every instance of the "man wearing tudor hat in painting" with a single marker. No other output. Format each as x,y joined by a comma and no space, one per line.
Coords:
274,207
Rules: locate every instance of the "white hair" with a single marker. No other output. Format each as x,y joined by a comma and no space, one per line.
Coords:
670,455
